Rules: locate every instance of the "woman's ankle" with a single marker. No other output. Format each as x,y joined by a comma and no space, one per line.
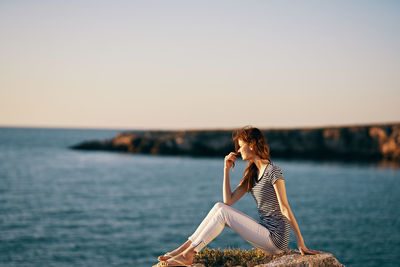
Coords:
190,250
184,246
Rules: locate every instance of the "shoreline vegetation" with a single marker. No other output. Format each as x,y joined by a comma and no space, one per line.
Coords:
257,258
367,143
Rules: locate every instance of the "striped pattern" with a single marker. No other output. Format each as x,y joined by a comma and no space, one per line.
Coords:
268,206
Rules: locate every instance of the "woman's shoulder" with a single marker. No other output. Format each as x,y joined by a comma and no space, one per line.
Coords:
275,167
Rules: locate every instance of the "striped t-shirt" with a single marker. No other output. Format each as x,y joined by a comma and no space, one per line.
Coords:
268,206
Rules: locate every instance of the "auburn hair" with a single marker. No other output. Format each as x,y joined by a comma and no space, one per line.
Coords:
252,136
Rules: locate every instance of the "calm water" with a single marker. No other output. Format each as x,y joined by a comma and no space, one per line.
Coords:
60,207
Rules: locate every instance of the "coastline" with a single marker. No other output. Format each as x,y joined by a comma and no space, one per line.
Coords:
367,143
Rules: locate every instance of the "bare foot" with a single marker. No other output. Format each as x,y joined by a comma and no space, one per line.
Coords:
175,252
183,258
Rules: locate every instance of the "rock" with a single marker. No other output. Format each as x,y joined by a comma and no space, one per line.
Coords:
294,259
251,258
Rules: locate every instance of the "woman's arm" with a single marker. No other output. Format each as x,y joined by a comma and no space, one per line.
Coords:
226,187
280,190
229,197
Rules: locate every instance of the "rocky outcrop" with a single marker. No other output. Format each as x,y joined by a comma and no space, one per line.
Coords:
368,142
293,258
288,258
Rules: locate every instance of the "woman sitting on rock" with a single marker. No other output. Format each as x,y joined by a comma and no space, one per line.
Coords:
264,180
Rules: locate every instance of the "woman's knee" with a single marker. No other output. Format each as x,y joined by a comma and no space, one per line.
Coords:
219,205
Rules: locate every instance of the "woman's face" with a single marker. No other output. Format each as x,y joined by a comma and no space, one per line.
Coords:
245,152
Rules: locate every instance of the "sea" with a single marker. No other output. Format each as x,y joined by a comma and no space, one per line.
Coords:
65,207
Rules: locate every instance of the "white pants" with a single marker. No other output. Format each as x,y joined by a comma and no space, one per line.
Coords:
248,228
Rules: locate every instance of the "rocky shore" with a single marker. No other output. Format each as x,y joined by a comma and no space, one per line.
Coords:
289,257
364,143
293,258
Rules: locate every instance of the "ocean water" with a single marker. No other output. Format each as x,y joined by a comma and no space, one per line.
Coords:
62,207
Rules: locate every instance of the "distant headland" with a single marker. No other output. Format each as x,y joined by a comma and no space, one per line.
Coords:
360,143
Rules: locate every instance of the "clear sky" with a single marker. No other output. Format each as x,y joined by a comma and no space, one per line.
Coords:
199,64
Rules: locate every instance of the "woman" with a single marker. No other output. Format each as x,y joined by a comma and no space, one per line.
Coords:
264,180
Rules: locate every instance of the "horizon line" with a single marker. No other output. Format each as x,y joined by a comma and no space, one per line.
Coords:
199,129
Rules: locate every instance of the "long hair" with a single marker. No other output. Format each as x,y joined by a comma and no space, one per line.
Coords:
252,136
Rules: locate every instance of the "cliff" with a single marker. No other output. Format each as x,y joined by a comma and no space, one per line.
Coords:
368,142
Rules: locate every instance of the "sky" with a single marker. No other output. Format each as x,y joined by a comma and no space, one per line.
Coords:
198,64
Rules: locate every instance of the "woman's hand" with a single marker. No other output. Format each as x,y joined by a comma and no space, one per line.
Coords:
230,159
304,250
